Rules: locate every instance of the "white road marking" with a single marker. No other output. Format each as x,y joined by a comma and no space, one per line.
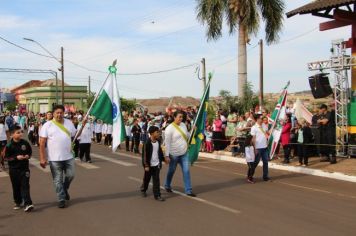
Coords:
221,207
127,155
3,174
86,165
123,163
36,163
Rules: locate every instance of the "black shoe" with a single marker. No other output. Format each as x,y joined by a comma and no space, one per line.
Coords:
144,194
67,196
169,190
89,161
191,195
267,179
62,204
159,198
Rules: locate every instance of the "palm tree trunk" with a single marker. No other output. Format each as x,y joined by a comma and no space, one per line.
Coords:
242,60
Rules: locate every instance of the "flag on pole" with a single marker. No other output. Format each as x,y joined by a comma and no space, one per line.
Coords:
277,116
197,136
108,109
301,112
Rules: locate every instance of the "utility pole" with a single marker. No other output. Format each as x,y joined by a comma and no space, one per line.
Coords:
89,86
261,75
62,70
204,73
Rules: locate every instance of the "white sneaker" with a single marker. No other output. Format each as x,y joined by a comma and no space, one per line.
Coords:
28,208
17,207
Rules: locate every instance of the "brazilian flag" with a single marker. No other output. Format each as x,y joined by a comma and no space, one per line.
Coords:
197,136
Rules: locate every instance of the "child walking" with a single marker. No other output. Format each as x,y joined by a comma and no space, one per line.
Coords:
250,159
18,152
152,157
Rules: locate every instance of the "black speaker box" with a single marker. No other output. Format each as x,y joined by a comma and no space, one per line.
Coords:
320,86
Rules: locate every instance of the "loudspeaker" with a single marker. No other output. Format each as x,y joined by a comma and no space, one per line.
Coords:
320,86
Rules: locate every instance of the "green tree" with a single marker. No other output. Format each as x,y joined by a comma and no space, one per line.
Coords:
127,105
244,17
90,99
249,100
11,106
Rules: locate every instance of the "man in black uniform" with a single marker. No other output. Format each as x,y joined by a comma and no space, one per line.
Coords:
316,132
327,134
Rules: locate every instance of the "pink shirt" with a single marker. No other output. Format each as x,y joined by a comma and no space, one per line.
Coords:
217,126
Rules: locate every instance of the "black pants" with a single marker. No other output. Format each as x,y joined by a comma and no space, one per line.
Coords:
154,173
32,138
84,151
135,144
286,150
108,140
127,142
324,139
20,180
251,169
303,153
218,141
98,137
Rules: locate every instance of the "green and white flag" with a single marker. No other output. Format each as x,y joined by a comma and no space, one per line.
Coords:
197,136
108,109
277,116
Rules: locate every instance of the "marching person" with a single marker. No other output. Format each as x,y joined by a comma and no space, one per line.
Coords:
18,151
107,132
57,135
250,159
152,157
85,139
136,134
260,137
98,131
176,140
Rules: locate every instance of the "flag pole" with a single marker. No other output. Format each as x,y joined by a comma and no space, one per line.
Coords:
200,107
95,99
275,122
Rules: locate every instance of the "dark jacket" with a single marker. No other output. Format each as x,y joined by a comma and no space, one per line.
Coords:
147,149
136,131
13,149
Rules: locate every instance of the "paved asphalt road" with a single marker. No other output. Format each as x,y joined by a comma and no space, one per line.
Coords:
106,201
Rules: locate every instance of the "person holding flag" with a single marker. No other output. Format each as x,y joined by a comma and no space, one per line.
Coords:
260,137
176,141
57,134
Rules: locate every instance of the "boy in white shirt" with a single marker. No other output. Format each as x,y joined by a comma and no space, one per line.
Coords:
85,139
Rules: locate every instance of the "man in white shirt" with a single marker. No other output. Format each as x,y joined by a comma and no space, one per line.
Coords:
57,134
176,140
260,139
107,132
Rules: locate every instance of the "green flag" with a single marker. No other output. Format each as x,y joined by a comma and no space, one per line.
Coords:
197,137
108,109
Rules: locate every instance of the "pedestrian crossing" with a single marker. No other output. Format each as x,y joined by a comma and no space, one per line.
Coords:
36,163
123,163
86,165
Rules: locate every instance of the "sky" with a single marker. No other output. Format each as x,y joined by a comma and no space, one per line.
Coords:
152,35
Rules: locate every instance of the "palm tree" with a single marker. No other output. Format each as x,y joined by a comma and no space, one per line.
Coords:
243,16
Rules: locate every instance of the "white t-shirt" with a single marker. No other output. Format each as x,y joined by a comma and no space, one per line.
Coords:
176,145
249,154
3,129
87,133
98,128
155,158
59,144
261,140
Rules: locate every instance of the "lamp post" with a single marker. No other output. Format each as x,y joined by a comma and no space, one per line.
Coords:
61,62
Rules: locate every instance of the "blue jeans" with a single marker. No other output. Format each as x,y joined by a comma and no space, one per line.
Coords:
263,153
63,174
183,161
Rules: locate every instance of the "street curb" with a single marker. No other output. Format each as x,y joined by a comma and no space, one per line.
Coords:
295,169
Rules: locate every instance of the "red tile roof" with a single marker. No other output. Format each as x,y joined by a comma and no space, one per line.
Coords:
319,5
